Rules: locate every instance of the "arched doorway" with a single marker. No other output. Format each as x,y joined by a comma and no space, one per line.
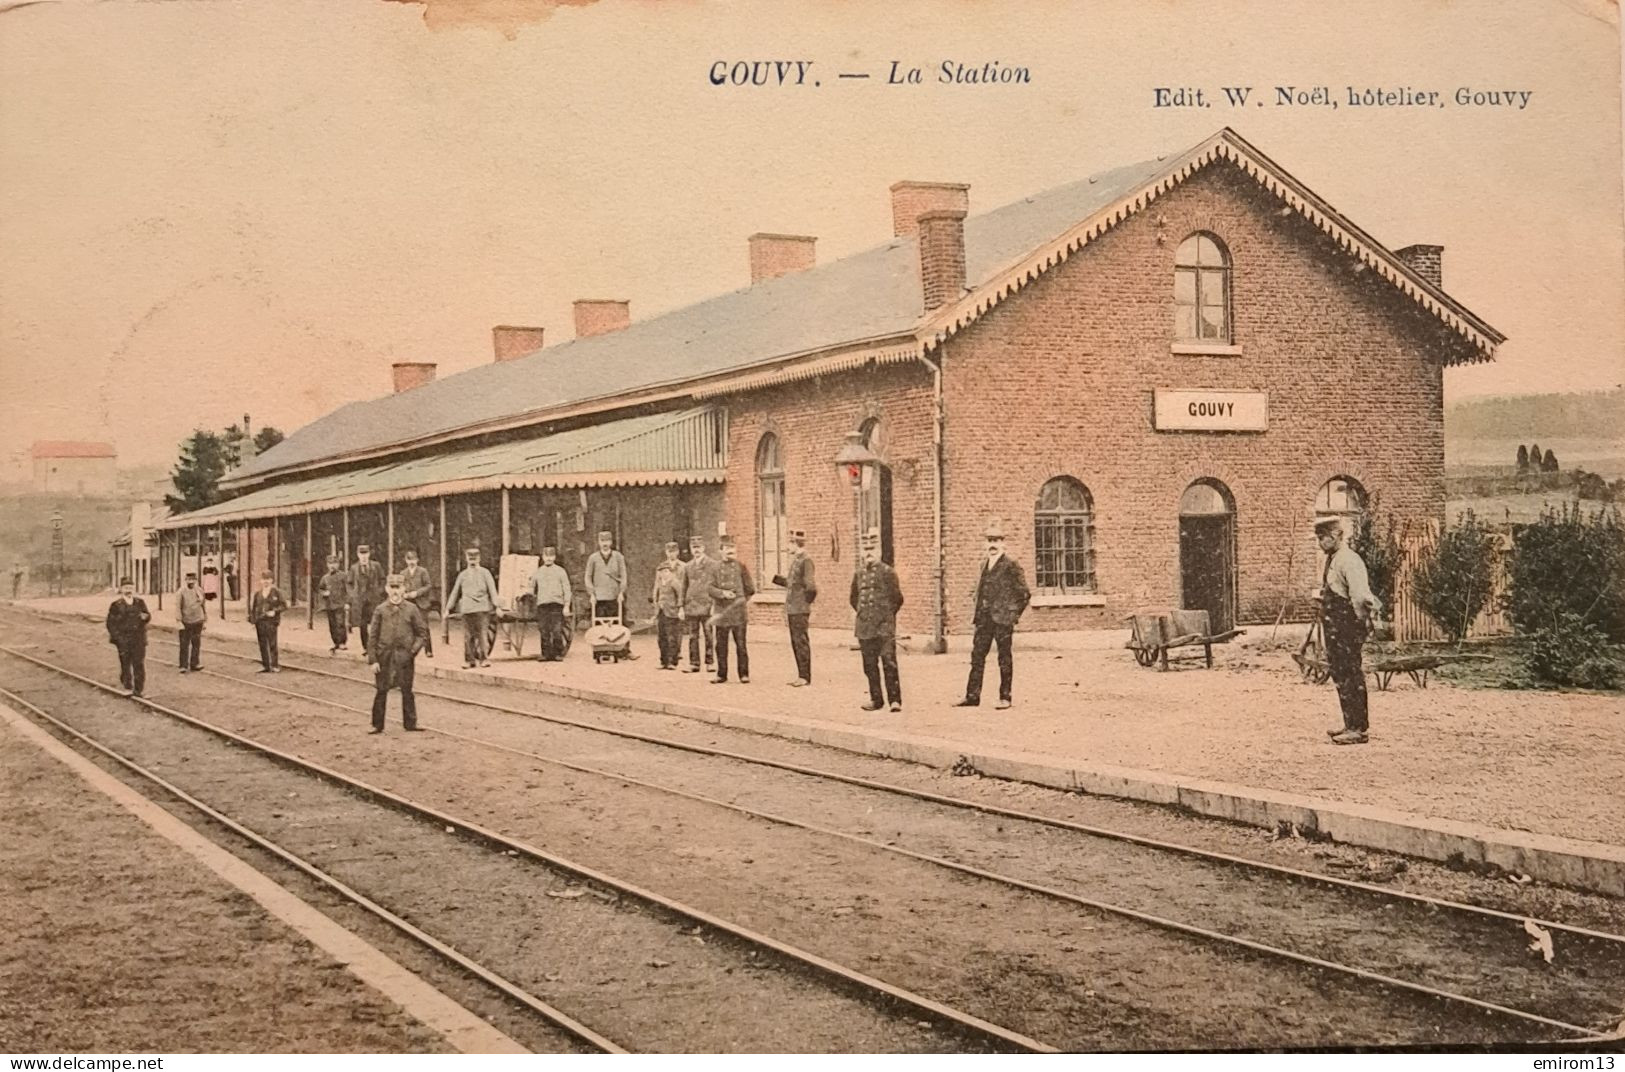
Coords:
875,491
1207,552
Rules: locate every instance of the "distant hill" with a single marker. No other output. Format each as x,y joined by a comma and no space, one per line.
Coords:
1593,415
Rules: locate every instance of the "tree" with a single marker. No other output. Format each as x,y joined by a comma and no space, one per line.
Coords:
1376,540
196,476
1548,464
1569,563
1453,579
1523,458
266,438
1535,456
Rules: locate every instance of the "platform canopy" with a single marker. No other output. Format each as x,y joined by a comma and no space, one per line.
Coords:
688,447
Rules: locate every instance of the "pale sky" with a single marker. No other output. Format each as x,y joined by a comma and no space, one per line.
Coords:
213,207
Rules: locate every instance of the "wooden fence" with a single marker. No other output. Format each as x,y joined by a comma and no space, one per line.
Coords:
1410,623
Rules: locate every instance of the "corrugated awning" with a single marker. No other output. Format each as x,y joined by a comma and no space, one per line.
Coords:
689,447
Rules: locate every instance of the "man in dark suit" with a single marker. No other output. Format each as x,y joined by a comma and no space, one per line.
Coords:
366,588
420,593
877,597
265,609
127,622
397,632
800,589
1001,596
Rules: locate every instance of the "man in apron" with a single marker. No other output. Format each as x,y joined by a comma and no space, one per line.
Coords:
1346,606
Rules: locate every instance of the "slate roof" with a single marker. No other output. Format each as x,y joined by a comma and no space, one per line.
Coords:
870,295
865,298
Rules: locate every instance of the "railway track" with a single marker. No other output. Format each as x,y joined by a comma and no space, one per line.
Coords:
920,1022
1511,923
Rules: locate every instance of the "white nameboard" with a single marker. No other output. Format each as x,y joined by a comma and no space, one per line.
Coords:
1211,411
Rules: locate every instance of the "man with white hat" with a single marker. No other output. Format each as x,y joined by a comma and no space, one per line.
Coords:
1001,597
800,589
1346,606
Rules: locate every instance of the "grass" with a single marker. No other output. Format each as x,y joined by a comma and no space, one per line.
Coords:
1503,669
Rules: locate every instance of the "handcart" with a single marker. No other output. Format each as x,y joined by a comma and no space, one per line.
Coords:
1152,634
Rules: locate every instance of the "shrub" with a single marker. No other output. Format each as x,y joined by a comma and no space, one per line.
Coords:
1453,580
1568,563
1376,541
1572,651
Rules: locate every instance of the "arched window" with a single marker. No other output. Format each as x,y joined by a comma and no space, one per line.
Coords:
772,535
1202,290
1341,497
1064,537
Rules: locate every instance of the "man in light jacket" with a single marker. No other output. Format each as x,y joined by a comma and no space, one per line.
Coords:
550,584
606,581
474,596
192,612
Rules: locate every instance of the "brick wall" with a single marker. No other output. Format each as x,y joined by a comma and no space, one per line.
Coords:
811,419
1058,380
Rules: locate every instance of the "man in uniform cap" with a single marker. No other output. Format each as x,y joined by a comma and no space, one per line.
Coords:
265,607
667,597
731,589
800,589
551,587
335,593
127,620
1346,606
698,574
420,592
1001,597
607,580
366,587
474,596
877,597
397,632
193,614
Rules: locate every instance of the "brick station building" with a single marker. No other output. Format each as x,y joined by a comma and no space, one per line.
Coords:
1154,377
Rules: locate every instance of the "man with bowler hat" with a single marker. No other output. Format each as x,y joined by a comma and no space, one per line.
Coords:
397,631
800,589
1346,606
1001,596
877,597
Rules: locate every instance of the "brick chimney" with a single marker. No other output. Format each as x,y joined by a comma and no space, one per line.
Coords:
773,255
909,200
410,374
1425,261
510,342
599,316
942,256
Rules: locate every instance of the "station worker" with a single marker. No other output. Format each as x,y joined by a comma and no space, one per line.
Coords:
366,587
877,597
397,632
550,584
800,586
667,597
606,578
731,589
1346,607
420,593
474,596
265,609
335,592
698,574
1001,597
127,620
192,612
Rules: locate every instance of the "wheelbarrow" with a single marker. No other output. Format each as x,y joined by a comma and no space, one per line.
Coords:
1152,634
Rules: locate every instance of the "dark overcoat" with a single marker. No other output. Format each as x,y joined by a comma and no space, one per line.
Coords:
877,597
1001,593
396,634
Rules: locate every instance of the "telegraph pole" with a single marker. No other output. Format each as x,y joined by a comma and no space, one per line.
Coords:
56,552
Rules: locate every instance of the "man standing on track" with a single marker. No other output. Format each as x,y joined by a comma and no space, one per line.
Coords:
1346,606
696,612
265,609
1001,596
335,593
127,622
192,612
474,596
420,593
877,597
366,588
800,589
397,632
